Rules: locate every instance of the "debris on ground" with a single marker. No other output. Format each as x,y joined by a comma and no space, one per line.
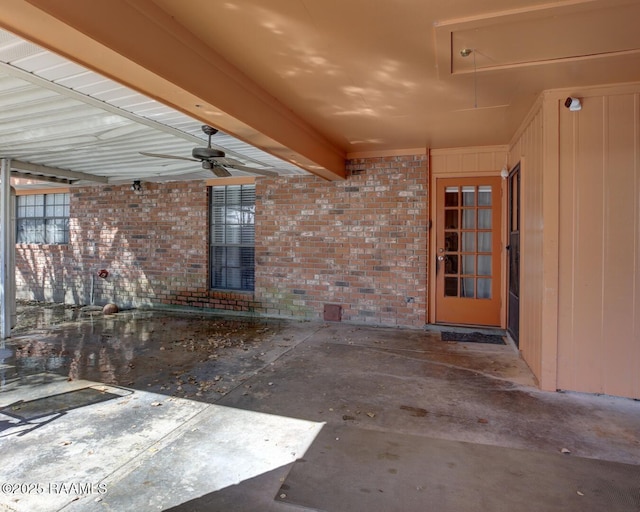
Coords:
126,351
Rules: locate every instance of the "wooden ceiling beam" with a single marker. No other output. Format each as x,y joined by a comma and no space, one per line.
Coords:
140,46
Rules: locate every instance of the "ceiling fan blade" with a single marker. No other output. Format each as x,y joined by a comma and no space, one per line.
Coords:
253,170
220,171
227,162
234,164
173,157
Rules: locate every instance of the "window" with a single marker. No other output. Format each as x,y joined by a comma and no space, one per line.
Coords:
42,219
232,235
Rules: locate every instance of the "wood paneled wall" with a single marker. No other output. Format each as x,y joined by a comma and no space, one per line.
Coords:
599,280
580,240
528,149
467,161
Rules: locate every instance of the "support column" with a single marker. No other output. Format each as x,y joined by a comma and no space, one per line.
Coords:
7,297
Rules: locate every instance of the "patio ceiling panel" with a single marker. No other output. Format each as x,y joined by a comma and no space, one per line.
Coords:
58,114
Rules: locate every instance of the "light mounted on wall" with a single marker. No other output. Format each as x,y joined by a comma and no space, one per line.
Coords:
573,104
504,173
136,186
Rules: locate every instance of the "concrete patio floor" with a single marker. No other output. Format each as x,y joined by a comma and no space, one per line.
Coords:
184,412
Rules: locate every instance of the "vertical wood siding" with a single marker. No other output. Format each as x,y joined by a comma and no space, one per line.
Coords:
529,150
467,161
599,307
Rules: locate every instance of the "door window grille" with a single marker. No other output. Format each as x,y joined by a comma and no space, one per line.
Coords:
468,238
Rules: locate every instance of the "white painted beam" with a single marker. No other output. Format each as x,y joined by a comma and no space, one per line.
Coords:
54,172
7,295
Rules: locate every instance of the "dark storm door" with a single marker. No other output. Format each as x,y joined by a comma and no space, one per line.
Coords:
513,311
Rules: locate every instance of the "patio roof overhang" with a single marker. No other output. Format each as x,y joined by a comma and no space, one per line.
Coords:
194,81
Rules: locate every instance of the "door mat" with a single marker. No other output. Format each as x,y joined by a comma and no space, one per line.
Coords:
56,404
352,470
472,337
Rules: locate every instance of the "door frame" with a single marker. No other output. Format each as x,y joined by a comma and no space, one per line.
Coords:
432,249
513,318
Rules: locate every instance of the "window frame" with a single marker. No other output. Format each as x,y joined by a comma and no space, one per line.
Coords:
232,238
43,217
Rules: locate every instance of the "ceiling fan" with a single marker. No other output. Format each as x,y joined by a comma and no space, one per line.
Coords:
214,160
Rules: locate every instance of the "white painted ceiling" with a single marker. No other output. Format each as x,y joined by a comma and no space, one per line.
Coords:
57,114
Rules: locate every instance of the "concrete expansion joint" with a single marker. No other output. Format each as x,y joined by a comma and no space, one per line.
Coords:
271,362
406,353
147,453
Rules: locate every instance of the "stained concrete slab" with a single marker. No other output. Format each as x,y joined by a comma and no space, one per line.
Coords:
219,448
177,354
371,383
409,392
170,450
415,473
83,445
499,362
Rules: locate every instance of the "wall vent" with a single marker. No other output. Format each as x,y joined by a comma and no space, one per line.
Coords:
332,313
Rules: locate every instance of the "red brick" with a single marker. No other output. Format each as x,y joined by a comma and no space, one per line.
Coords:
368,232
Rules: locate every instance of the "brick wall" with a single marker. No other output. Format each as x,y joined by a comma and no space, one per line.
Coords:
359,243
153,243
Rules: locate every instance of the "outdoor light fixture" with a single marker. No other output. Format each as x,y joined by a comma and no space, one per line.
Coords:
573,104
464,53
136,186
504,172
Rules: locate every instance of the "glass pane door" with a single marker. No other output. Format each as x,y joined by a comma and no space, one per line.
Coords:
468,250
468,264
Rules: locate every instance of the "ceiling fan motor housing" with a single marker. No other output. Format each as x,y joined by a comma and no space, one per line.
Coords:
207,153
209,159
